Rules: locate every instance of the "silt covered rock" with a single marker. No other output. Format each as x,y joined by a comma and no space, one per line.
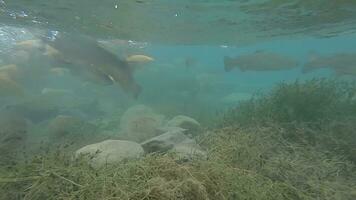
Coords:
191,125
68,129
174,141
110,152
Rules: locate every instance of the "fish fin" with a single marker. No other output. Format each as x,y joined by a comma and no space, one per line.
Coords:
131,88
111,78
228,64
139,59
103,78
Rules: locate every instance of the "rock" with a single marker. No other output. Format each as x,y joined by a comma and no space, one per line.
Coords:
164,142
13,133
110,152
191,125
174,141
189,149
140,123
70,130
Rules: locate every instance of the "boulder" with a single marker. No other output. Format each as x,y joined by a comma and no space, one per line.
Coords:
68,129
110,152
191,125
174,141
189,149
13,134
164,142
140,123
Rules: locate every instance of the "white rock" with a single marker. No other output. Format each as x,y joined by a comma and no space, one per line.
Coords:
110,152
164,142
191,125
189,149
174,141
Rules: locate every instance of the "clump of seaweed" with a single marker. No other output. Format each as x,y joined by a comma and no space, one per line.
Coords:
310,101
319,112
152,177
243,163
297,171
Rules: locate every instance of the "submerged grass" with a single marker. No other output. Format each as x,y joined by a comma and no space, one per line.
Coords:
319,112
254,163
310,101
266,149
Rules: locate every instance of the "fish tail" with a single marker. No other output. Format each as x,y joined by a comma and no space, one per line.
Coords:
132,88
228,64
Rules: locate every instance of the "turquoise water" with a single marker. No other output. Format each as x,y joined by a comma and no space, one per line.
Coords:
87,75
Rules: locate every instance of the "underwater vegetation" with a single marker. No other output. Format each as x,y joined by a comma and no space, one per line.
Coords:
310,101
318,111
296,142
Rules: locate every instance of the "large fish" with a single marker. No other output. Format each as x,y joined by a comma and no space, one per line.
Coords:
341,63
83,56
260,61
9,87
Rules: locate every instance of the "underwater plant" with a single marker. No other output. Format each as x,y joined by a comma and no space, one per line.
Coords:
309,101
243,163
318,112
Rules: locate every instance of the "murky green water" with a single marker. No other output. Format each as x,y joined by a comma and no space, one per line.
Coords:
255,99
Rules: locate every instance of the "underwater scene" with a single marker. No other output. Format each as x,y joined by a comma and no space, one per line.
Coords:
178,100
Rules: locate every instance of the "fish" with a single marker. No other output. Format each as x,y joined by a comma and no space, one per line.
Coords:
83,56
56,92
341,63
260,61
59,71
139,59
29,44
9,87
137,62
33,47
36,110
11,70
